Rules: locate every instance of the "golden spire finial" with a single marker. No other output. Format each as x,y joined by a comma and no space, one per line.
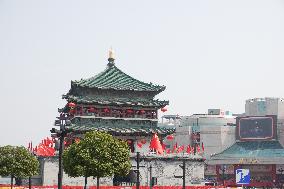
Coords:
111,53
111,57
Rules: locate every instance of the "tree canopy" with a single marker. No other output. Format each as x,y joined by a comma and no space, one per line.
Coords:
99,155
18,162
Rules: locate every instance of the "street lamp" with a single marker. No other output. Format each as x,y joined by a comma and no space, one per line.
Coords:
183,173
62,122
138,173
151,184
223,169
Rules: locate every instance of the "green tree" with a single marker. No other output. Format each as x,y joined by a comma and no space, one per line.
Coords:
17,162
99,155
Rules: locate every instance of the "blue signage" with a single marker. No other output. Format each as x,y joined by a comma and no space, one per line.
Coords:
242,176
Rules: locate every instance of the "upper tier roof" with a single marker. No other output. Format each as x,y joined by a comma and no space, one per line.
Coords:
117,101
114,78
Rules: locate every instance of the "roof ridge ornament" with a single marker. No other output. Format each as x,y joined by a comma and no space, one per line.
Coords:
110,57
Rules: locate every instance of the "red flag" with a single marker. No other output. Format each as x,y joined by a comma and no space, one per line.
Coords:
180,149
175,147
198,148
188,150
44,150
48,141
168,151
202,147
41,150
49,151
163,146
155,144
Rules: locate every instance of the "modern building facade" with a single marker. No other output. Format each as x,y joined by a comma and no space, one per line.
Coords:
215,130
257,147
265,106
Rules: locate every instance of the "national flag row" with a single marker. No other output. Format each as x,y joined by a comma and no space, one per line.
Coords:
160,148
45,148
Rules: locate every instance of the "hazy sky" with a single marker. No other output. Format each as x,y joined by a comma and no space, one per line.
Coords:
209,54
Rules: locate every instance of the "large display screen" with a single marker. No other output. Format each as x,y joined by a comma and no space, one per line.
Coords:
256,128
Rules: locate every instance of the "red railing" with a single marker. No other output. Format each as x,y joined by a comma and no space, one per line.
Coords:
112,187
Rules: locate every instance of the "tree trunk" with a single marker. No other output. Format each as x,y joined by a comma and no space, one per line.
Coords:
98,182
12,181
30,183
86,180
18,181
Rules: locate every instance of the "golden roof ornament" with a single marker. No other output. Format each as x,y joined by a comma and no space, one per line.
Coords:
111,57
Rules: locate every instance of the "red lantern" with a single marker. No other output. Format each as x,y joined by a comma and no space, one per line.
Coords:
142,111
77,140
164,109
106,110
170,137
71,105
72,111
129,111
139,145
143,141
129,142
91,110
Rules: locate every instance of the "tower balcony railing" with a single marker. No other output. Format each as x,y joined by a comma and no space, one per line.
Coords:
117,115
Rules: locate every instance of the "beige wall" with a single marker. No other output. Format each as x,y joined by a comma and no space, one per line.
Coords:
164,168
216,138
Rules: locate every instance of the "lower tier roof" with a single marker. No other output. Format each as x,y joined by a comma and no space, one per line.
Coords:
118,126
253,149
265,151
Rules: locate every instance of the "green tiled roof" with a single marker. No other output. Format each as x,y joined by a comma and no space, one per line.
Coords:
118,126
256,149
118,102
123,131
114,78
